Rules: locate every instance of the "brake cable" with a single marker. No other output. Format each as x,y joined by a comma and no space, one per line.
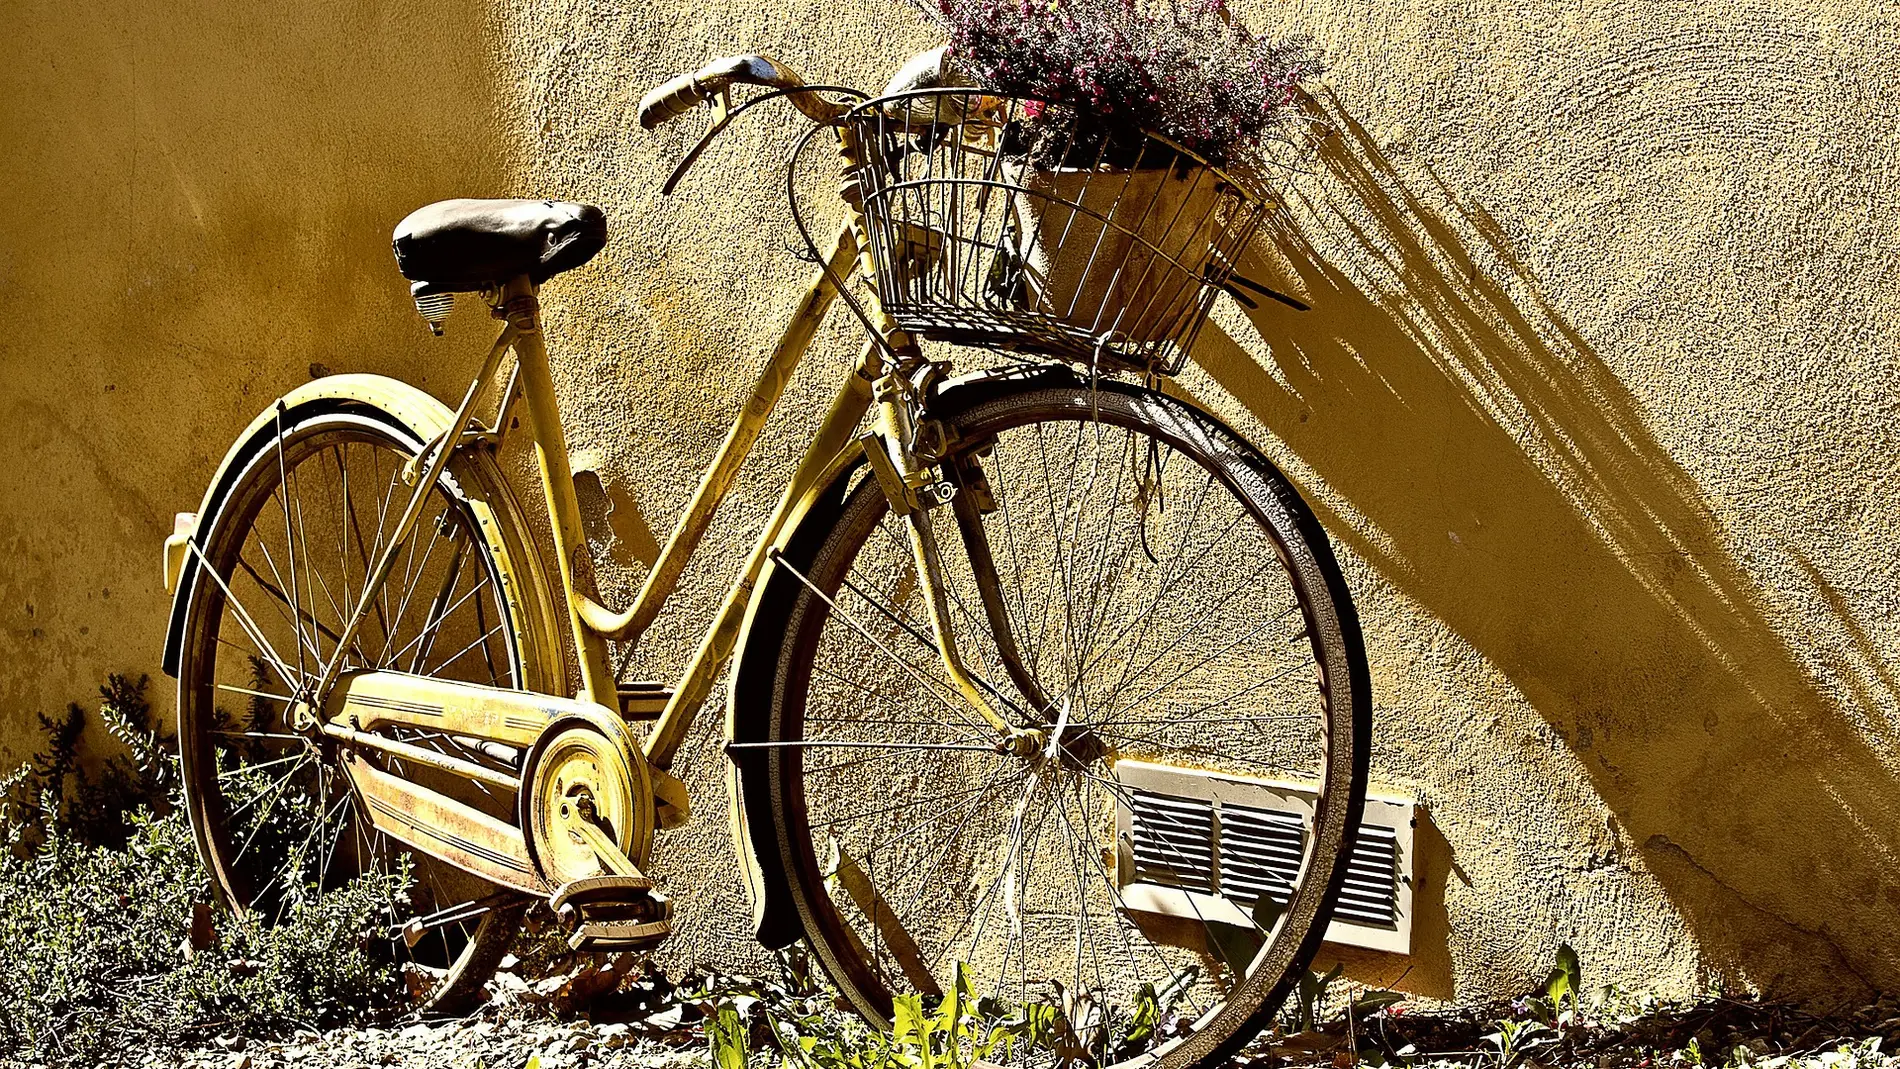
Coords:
725,115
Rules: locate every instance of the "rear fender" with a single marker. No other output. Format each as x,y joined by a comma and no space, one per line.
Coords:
398,404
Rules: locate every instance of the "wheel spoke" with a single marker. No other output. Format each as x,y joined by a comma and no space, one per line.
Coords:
911,670
249,625
435,628
283,599
290,545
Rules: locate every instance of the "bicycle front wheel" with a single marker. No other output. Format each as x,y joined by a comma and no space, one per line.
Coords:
1168,612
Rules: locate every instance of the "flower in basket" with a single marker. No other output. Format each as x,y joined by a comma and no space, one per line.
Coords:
1097,74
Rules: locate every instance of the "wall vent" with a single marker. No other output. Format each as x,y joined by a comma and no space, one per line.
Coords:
1208,845
1174,841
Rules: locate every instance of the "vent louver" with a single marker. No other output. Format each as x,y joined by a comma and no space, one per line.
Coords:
1174,841
1194,834
1259,852
1371,892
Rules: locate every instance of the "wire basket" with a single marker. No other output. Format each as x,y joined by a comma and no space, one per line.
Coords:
994,230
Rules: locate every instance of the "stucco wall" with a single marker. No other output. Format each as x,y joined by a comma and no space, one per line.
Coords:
1597,397
198,198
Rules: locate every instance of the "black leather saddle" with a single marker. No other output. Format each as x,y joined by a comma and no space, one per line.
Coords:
456,246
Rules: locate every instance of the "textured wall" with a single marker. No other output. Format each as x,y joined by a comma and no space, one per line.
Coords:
198,197
1597,396
1600,389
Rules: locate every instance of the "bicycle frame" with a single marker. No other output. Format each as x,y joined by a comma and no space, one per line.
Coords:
539,794
834,446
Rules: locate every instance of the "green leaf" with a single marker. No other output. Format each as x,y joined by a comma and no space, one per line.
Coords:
726,1034
907,1018
1565,981
1141,1024
1177,987
1566,978
1312,989
1374,1001
1235,946
949,1018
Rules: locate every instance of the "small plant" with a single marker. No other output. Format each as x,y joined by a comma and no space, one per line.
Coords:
1308,1007
1514,1040
1187,70
1560,1004
108,939
959,1031
798,1027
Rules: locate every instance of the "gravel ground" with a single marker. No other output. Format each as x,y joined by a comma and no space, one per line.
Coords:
649,1024
467,1044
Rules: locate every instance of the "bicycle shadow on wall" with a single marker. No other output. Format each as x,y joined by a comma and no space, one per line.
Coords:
1488,463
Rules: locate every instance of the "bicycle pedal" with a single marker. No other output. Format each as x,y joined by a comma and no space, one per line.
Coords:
591,890
618,936
613,913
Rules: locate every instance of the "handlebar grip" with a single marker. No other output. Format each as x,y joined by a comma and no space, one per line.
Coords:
683,93
680,95
672,100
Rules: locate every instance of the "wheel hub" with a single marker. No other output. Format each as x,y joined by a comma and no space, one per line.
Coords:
1079,748
1073,748
1065,745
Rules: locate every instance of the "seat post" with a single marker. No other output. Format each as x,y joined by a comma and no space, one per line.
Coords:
518,304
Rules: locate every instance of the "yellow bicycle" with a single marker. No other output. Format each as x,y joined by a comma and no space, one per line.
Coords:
995,620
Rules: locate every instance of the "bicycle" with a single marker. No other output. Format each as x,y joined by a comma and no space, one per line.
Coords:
932,751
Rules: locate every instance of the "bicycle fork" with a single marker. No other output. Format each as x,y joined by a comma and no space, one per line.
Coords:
903,454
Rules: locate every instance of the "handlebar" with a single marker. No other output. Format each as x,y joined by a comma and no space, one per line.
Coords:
711,83
684,93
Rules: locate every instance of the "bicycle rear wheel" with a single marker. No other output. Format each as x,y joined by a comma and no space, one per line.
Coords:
1178,618
272,807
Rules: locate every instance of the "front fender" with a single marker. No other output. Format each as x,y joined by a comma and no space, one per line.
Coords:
401,405
749,707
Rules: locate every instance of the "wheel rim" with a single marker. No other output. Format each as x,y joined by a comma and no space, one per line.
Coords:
273,810
1041,833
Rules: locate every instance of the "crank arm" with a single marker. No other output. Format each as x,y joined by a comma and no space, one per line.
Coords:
609,853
